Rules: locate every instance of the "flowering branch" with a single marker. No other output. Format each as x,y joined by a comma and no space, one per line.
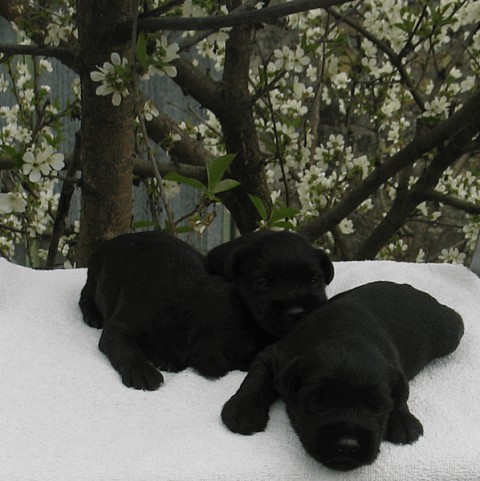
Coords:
264,15
407,200
420,145
139,111
395,59
185,150
141,168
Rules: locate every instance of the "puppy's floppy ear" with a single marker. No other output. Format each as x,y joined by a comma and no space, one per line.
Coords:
224,259
325,264
288,381
399,386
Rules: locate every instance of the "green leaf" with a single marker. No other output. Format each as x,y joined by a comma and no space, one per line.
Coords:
9,151
283,213
183,229
142,50
216,169
145,224
259,205
181,179
225,184
283,225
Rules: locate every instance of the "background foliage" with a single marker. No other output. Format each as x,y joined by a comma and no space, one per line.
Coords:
355,123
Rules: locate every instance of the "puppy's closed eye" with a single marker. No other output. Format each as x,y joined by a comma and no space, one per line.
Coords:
325,396
261,283
316,401
376,401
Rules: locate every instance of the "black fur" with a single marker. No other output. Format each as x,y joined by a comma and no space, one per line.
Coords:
279,275
344,372
159,307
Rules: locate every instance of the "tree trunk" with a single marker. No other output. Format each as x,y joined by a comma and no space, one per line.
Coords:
107,136
240,133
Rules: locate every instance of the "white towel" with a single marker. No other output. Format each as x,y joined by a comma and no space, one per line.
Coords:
65,415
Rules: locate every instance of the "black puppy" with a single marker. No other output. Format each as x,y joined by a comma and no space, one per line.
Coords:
280,276
343,372
159,307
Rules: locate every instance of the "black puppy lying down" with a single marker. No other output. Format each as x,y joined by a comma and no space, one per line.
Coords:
343,372
159,307
280,276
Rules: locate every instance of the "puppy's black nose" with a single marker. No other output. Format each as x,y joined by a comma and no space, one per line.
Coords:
347,445
294,312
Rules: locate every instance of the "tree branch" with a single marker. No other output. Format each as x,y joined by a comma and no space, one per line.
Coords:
170,222
144,169
466,117
6,163
63,208
239,132
61,53
263,15
141,168
468,207
22,12
407,200
193,82
186,150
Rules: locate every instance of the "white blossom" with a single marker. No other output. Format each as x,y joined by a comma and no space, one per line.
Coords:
150,111
111,81
452,256
12,202
41,164
291,60
420,256
160,60
346,227
341,80
437,107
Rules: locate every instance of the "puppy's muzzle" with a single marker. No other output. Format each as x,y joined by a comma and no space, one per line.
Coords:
295,312
344,447
347,445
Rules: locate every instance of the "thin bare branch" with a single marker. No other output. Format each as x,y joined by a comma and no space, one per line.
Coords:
62,53
263,15
139,108
463,205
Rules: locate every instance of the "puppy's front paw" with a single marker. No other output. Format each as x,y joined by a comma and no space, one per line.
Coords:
141,376
91,315
403,427
213,366
244,416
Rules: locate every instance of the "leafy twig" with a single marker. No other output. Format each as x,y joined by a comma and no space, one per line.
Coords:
138,107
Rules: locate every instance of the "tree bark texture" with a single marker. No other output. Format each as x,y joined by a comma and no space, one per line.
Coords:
240,134
230,100
107,131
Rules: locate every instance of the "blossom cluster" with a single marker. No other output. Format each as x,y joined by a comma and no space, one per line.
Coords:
115,77
377,107
30,134
41,163
60,28
331,105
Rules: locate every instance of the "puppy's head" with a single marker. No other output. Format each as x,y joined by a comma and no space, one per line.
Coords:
280,276
338,405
